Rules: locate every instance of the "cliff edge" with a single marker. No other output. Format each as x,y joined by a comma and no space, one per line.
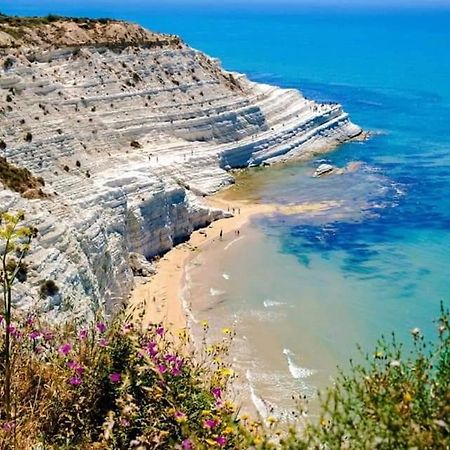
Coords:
128,129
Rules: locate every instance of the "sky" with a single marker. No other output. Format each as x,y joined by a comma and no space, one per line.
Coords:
241,3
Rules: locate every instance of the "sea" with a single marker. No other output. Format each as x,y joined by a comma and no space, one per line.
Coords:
304,291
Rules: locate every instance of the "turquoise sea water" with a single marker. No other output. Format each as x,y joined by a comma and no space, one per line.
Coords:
313,287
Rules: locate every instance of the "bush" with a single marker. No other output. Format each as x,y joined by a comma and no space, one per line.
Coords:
48,289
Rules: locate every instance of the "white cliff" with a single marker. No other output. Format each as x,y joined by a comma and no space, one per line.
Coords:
128,137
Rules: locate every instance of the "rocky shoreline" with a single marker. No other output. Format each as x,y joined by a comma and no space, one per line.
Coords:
129,135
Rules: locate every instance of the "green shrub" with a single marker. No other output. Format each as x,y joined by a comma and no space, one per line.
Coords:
48,288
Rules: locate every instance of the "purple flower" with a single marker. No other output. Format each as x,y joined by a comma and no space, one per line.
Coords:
216,392
152,348
160,331
65,349
75,380
176,372
82,335
101,327
34,335
209,423
186,444
221,440
162,368
72,364
115,377
29,321
170,358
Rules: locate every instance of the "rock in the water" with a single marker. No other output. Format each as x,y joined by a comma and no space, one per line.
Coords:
323,169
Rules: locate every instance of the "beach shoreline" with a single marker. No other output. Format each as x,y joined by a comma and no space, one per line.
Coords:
158,299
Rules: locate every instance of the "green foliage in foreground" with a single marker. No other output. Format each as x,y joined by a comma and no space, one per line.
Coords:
119,387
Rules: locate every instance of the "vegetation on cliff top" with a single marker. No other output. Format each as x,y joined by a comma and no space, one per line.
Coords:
116,386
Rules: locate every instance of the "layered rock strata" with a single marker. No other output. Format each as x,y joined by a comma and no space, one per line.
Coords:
129,130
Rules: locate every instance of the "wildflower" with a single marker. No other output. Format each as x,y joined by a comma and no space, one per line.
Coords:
227,372
101,327
394,363
415,332
47,335
72,364
115,377
1,319
216,392
407,397
209,423
160,331
152,348
8,426
38,349
186,444
29,321
226,330
162,368
180,417
176,372
127,328
34,335
170,358
103,342
65,349
124,422
205,324
221,440
82,335
75,380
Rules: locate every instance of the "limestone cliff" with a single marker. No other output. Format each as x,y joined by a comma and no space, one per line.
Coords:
129,129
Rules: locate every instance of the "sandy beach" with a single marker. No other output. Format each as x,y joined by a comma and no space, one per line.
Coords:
157,299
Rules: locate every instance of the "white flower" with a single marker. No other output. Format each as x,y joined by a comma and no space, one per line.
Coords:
395,363
415,331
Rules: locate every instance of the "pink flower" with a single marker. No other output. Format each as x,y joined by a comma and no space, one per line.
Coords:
29,321
65,349
221,440
1,319
79,370
101,327
39,349
127,328
75,380
216,392
176,372
186,444
103,342
82,335
48,335
162,368
34,335
8,426
115,377
209,423
124,422
180,416
160,331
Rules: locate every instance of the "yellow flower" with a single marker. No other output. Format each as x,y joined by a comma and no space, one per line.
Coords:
227,372
257,440
206,412
407,397
228,430
205,324
226,331
272,420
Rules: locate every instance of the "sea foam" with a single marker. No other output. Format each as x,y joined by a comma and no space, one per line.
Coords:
296,371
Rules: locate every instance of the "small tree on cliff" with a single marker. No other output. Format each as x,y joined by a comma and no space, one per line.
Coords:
14,245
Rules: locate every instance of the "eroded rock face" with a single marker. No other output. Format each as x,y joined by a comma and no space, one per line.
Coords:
128,139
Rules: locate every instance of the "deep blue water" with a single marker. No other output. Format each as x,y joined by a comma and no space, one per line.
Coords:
389,242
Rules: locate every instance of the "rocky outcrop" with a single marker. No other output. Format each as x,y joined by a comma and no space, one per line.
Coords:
128,138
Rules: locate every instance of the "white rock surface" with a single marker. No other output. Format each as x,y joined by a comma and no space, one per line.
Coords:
110,195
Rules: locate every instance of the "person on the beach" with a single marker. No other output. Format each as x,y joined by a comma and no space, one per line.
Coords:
221,234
